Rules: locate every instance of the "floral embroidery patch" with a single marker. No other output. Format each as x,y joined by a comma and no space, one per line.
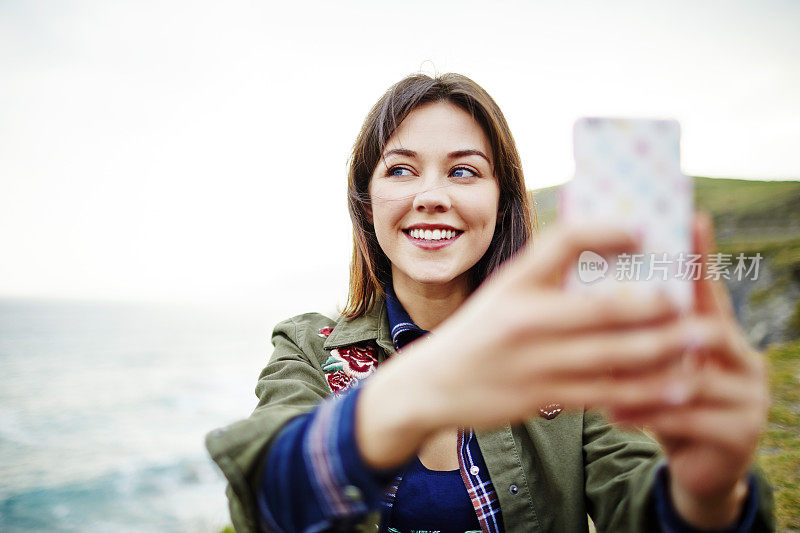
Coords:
325,332
348,364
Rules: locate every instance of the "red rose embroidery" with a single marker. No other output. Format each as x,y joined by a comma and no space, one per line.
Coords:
339,381
325,332
349,364
359,360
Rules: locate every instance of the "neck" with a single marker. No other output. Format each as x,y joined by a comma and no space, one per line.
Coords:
427,304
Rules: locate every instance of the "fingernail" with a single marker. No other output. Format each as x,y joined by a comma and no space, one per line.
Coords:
636,237
676,393
667,300
694,336
632,233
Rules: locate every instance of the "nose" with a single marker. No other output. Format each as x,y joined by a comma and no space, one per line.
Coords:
434,197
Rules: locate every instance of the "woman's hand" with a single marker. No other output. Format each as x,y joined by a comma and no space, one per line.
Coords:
711,434
521,341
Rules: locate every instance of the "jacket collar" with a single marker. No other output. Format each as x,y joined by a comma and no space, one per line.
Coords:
372,325
402,328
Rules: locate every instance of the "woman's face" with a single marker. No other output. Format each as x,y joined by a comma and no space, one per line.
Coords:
434,196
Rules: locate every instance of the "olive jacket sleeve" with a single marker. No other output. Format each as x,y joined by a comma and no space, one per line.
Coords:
291,384
621,468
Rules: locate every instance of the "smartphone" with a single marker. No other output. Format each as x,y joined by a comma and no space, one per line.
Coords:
628,173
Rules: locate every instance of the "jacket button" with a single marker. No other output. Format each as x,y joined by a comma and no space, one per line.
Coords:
474,470
513,489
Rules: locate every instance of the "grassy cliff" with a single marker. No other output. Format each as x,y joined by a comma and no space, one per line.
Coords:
779,453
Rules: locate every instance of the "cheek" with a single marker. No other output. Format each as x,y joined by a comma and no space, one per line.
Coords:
484,211
386,216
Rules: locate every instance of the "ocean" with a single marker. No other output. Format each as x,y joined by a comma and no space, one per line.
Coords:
104,408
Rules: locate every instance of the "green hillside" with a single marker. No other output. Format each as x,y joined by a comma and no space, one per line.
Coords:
739,207
749,217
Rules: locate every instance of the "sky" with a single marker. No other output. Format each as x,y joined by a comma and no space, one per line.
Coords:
197,151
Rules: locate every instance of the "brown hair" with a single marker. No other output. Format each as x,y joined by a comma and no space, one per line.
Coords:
370,268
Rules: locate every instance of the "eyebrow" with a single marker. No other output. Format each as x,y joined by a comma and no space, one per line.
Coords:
452,155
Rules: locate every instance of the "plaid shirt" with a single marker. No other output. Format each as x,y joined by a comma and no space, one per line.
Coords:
470,460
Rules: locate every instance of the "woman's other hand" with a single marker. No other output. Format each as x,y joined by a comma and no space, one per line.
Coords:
710,436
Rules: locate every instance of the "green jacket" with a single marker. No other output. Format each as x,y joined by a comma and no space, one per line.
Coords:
563,468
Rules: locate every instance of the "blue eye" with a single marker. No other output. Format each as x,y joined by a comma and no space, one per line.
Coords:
459,172
398,171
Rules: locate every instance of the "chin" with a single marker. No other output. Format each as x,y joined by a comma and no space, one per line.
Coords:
436,279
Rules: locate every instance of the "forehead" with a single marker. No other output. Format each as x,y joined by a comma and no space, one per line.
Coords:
439,127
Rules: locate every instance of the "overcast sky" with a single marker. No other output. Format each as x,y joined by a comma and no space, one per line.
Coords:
197,150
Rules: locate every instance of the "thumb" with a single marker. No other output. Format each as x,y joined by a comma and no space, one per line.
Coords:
557,250
711,296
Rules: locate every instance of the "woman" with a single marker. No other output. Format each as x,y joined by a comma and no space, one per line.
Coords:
483,424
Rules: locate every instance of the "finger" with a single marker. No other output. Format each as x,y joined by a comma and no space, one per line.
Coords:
723,342
707,387
646,393
732,428
556,313
711,296
637,350
627,351
546,261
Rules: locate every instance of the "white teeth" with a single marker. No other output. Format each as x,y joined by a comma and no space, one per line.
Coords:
432,235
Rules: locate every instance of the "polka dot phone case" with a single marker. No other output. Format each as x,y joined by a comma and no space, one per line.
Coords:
627,173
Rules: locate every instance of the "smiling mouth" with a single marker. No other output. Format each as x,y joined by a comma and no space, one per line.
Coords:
432,235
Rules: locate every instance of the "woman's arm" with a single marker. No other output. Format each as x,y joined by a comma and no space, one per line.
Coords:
314,478
396,411
290,386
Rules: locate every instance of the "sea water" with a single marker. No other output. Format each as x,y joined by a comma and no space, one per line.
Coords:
104,408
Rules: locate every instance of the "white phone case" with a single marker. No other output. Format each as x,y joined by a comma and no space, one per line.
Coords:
627,172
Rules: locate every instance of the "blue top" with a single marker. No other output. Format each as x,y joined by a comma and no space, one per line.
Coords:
432,500
314,478
427,500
